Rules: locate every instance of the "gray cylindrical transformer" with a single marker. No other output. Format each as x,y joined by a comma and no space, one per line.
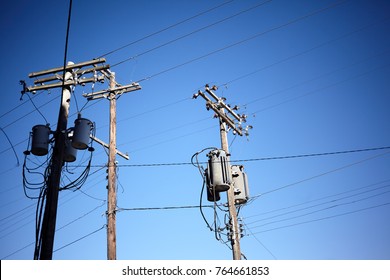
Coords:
70,152
219,170
240,183
82,130
40,140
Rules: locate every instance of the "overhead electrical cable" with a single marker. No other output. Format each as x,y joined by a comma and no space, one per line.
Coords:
172,139
163,208
154,109
79,239
313,79
164,132
167,28
343,36
191,33
320,175
261,243
256,159
17,106
245,40
60,228
12,146
29,113
318,210
323,88
315,200
325,218
27,221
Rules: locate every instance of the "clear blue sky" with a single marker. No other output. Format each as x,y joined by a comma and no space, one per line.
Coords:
310,81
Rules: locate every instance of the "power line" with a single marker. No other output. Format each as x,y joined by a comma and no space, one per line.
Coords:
315,200
301,54
245,40
155,109
29,113
84,215
36,108
258,241
320,210
319,175
325,218
191,33
163,208
60,228
31,220
79,239
323,88
256,159
173,139
12,146
17,106
166,28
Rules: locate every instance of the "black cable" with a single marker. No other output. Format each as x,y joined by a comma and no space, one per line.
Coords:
38,224
27,114
200,206
17,106
12,146
36,108
66,46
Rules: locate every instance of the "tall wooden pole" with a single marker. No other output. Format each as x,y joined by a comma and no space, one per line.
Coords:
234,229
112,94
111,207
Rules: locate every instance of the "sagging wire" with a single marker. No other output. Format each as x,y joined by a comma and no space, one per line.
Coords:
200,206
12,146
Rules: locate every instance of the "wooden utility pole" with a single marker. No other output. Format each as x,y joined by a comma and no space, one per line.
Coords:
112,94
71,76
234,228
111,204
225,120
